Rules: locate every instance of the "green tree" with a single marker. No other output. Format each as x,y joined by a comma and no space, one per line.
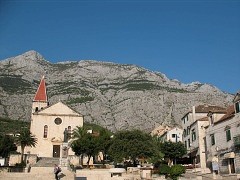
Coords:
104,142
6,145
176,171
79,132
25,138
131,145
84,143
104,137
157,156
172,150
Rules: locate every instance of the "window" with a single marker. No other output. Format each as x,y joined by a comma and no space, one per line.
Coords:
193,135
185,119
188,130
189,144
173,135
184,133
185,143
58,121
45,131
237,107
36,109
212,139
228,134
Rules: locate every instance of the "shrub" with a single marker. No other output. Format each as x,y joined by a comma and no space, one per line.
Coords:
164,169
176,171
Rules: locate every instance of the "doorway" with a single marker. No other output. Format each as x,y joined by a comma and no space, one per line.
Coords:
56,151
232,166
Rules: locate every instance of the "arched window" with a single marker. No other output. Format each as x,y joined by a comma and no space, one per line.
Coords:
69,132
45,131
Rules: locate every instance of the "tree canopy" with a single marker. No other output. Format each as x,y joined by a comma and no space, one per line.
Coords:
131,145
6,145
25,138
84,143
173,150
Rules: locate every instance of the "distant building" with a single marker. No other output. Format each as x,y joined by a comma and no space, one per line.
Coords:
160,130
173,135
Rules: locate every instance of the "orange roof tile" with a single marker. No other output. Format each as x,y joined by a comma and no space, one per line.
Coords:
41,94
207,108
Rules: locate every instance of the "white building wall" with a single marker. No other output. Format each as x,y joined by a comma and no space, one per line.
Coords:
188,123
178,135
44,146
55,132
222,146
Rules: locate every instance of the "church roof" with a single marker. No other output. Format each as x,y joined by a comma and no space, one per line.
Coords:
58,109
41,94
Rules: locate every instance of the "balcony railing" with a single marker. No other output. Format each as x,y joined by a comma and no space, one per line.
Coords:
236,140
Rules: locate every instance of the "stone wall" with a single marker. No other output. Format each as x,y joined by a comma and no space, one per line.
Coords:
16,158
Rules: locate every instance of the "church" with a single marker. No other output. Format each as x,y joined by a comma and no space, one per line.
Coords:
52,125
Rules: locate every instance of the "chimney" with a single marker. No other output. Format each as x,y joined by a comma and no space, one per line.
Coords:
193,113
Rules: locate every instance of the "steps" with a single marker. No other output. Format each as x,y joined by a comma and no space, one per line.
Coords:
42,170
46,162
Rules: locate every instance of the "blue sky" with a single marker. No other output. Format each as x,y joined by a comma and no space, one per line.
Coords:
186,40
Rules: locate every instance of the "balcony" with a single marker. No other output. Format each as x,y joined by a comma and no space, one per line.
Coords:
236,140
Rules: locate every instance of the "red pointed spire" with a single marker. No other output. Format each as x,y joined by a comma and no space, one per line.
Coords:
41,94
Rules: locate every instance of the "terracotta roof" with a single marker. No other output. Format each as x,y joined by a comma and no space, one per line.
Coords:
229,114
203,119
208,108
41,94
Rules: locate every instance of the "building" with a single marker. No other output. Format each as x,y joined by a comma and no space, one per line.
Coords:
223,140
194,125
160,130
52,126
173,135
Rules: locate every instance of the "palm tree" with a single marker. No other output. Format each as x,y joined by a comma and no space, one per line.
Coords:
78,134
25,138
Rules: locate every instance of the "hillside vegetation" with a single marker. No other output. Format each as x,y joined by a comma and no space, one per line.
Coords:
8,126
115,96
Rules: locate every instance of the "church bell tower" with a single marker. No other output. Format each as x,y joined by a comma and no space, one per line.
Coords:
40,100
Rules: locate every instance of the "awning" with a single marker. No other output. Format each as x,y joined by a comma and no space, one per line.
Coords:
229,155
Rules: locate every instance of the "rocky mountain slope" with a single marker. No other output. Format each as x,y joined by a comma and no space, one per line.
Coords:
116,96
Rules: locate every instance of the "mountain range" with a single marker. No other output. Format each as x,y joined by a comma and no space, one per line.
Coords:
115,96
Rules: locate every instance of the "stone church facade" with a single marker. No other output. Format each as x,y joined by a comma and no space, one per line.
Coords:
52,126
